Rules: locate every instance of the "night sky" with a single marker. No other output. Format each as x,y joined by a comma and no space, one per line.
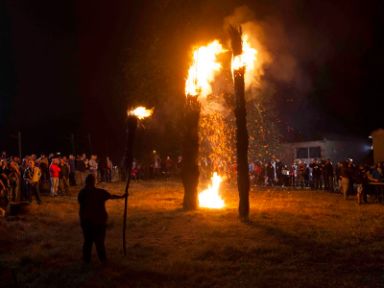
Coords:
72,67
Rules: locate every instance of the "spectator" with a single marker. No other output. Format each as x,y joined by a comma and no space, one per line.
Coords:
93,218
156,164
54,171
4,174
32,177
64,176
168,166
93,166
108,171
328,175
72,170
344,179
81,169
15,181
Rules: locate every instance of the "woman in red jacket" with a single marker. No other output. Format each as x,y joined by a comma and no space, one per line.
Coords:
54,171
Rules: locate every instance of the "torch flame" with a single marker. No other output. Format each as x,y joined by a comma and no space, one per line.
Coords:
203,69
247,59
210,198
141,112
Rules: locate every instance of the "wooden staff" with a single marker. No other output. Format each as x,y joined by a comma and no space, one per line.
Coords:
130,134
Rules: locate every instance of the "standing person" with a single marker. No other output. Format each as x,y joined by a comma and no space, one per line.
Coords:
64,176
350,169
328,176
301,174
15,180
293,174
168,166
316,175
279,175
102,167
93,217
360,178
344,179
32,177
270,174
108,170
72,169
156,164
285,176
81,170
179,164
337,180
43,165
4,177
93,166
54,172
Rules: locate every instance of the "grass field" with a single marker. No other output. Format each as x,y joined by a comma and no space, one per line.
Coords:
296,238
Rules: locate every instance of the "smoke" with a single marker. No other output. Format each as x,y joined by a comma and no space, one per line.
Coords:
254,31
276,50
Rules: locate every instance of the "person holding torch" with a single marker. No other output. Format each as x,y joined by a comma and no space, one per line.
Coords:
93,217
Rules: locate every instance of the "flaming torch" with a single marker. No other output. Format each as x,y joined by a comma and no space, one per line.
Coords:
238,67
134,116
198,84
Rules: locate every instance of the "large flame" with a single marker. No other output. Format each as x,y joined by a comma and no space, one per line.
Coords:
210,197
140,112
203,69
247,59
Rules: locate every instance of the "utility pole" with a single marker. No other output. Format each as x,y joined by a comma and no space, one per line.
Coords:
73,144
19,143
90,143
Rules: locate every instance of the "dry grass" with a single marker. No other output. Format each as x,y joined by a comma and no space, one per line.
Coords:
293,239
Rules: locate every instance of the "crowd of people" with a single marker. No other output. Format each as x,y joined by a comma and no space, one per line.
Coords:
24,179
346,177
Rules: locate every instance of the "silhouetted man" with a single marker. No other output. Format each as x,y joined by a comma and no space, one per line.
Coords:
93,217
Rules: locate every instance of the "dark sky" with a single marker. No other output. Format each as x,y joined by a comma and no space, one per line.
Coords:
71,66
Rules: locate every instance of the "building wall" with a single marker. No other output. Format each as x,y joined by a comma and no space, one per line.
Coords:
378,145
330,149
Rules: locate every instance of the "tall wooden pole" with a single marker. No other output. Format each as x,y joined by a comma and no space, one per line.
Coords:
19,143
190,168
89,143
73,144
130,138
241,126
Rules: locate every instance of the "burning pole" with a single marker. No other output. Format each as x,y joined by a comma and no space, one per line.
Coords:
198,84
238,70
133,118
190,168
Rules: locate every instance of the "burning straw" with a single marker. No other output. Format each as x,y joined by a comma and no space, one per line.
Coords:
198,85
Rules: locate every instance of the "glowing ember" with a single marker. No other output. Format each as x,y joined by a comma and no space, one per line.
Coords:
210,198
203,69
141,112
247,59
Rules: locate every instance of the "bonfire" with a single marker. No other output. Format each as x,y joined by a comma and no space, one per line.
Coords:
198,85
210,197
